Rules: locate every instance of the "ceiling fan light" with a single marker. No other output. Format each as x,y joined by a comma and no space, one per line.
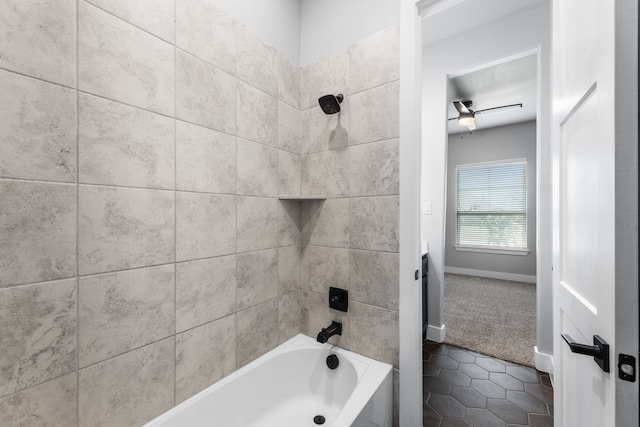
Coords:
466,119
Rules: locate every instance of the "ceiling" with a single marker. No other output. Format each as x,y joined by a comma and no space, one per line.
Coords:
450,17
506,81
511,81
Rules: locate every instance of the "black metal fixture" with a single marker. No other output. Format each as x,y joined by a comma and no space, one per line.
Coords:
599,350
334,329
332,361
319,419
338,299
330,104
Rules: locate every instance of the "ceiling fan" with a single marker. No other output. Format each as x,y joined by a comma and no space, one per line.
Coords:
467,116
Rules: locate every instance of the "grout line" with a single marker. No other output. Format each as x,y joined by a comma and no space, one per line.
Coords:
121,19
40,79
77,183
175,204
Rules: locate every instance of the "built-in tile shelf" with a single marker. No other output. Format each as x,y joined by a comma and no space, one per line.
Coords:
302,198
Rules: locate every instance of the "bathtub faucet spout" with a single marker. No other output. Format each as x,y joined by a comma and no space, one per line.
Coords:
334,329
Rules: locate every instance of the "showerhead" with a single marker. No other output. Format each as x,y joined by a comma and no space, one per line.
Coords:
330,104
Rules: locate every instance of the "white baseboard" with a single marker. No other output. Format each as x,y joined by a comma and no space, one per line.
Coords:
435,333
491,274
543,361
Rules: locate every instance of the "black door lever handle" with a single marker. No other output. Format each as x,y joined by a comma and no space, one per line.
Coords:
599,350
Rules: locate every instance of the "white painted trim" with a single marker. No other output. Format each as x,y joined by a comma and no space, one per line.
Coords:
543,361
491,274
436,333
410,291
491,250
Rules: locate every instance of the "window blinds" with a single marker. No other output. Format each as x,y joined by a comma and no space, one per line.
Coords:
491,205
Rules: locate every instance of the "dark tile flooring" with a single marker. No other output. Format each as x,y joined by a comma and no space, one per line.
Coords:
463,388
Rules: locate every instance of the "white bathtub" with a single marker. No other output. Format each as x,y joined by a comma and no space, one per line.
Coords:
288,387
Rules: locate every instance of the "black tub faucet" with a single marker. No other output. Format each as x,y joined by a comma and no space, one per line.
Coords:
334,329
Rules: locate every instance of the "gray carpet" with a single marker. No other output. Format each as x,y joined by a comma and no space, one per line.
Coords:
492,317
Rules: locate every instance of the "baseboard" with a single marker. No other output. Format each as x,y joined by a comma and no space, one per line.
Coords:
543,361
491,274
435,333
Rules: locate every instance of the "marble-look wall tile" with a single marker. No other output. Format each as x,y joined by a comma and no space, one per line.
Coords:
205,225
37,129
154,16
257,61
257,115
257,277
51,404
377,333
123,228
257,169
289,316
304,267
329,223
375,223
206,31
288,81
125,146
375,169
375,60
289,223
39,238
130,389
373,278
124,310
39,39
124,63
328,76
205,95
326,173
38,334
257,223
328,267
289,258
257,333
289,128
205,160
316,315
322,131
288,173
205,291
204,355
374,114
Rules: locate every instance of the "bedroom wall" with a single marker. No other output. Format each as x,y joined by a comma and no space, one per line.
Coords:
510,142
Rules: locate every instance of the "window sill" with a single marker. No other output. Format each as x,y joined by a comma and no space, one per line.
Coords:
491,250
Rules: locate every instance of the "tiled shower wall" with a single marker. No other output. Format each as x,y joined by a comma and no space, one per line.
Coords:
144,253
351,239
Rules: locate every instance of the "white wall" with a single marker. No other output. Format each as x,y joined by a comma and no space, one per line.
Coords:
518,32
331,25
517,141
277,22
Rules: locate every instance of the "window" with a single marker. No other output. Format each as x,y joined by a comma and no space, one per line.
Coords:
491,206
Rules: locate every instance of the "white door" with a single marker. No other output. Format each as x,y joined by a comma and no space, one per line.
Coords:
584,214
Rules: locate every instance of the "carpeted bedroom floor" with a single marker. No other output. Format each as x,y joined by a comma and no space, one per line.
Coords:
493,317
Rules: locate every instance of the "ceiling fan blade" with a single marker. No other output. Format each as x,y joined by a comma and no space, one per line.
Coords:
460,107
453,118
496,109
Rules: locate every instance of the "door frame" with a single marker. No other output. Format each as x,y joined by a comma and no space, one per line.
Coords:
627,242
627,232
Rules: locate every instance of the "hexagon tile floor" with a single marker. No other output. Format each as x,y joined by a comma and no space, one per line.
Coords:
463,388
